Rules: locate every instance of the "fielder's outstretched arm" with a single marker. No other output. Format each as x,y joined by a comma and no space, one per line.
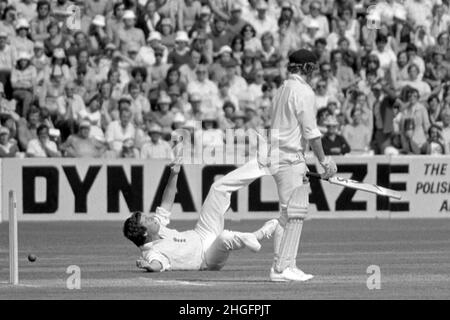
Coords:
171,188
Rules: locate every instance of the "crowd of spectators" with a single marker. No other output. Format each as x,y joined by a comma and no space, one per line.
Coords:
104,78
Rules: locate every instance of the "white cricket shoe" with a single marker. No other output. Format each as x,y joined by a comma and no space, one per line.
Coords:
267,230
289,274
250,241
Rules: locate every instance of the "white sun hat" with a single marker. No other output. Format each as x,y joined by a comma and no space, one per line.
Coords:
99,20
182,36
129,14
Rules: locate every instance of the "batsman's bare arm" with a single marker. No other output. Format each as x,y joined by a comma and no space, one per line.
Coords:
317,148
327,163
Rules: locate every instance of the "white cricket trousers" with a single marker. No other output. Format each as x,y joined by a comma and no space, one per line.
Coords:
218,243
289,174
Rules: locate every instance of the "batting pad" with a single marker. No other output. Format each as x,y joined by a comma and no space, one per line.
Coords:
289,244
298,203
297,210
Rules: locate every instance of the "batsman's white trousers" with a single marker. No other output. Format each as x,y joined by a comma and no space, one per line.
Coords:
289,173
216,242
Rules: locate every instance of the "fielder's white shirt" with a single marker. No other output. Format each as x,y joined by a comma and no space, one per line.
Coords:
175,250
293,116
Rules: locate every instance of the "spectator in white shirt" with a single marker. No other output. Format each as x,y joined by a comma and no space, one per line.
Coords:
43,146
238,85
441,20
187,71
357,134
120,130
26,9
129,150
205,88
139,103
312,33
251,41
421,86
316,15
212,136
419,12
8,147
156,147
93,114
413,58
384,53
341,32
263,22
255,89
71,105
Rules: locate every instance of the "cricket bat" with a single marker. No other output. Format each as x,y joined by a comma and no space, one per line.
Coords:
367,187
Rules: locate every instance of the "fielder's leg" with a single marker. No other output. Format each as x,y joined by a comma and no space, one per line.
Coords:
219,251
217,254
211,221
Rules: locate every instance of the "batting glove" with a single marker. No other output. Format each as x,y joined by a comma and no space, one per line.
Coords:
329,166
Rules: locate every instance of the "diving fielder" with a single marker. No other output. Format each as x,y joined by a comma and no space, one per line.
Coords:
293,126
208,245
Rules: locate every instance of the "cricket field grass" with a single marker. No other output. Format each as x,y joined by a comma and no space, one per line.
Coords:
413,257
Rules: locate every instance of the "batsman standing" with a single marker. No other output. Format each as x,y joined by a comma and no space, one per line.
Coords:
293,127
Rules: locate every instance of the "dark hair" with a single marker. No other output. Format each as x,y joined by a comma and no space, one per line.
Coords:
434,126
18,67
41,128
42,3
172,69
266,87
77,33
134,231
322,111
281,20
81,51
413,65
141,70
8,9
133,84
236,39
116,6
381,38
33,110
342,39
320,41
411,47
400,53
53,24
81,70
228,104
433,96
344,8
374,58
245,27
412,90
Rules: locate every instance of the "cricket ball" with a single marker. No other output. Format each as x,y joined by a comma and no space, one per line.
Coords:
32,258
